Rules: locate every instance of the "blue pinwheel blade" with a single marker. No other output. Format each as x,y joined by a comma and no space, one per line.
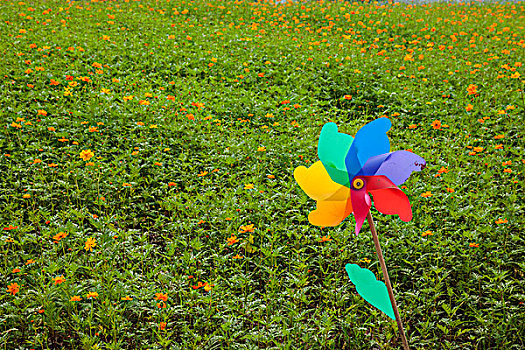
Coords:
371,140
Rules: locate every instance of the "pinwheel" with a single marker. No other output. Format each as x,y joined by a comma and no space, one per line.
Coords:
341,182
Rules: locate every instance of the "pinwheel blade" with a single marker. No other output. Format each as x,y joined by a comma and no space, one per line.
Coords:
332,149
397,166
330,213
371,140
392,201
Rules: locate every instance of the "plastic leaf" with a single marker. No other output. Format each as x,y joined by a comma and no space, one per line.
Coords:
372,290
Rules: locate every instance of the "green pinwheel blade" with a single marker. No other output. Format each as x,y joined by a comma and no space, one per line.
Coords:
370,289
332,150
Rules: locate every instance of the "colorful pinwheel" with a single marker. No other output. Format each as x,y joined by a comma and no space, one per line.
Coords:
351,168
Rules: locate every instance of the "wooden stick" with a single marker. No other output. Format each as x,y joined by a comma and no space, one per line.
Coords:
387,280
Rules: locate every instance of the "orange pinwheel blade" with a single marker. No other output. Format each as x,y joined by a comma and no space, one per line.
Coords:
330,213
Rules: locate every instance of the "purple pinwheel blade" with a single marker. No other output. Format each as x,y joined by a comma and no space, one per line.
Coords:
371,140
397,166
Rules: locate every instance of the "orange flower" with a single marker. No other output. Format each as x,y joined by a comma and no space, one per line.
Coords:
232,240
426,194
75,298
86,154
237,257
501,221
472,89
59,236
436,124
325,239
41,112
90,243
427,233
451,190
59,279
348,97
161,296
92,295
15,270
126,298
469,107
162,326
473,245
13,288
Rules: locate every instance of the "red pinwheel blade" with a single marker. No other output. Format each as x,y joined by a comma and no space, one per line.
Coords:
392,201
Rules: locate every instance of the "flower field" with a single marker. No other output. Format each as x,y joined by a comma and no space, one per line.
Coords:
147,150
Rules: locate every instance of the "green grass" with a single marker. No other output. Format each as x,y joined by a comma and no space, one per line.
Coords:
166,186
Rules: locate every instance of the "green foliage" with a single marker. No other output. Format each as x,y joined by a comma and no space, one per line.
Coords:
196,114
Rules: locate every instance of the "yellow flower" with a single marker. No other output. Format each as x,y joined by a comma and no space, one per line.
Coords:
261,149
86,154
26,196
248,187
247,228
90,243
92,295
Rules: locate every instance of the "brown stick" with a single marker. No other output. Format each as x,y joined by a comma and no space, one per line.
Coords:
387,280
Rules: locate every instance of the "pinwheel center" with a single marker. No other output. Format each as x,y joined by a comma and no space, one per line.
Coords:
358,183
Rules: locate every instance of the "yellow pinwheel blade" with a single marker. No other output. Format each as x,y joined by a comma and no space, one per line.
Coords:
318,185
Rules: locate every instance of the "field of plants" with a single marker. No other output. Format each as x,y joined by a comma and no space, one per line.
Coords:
147,150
